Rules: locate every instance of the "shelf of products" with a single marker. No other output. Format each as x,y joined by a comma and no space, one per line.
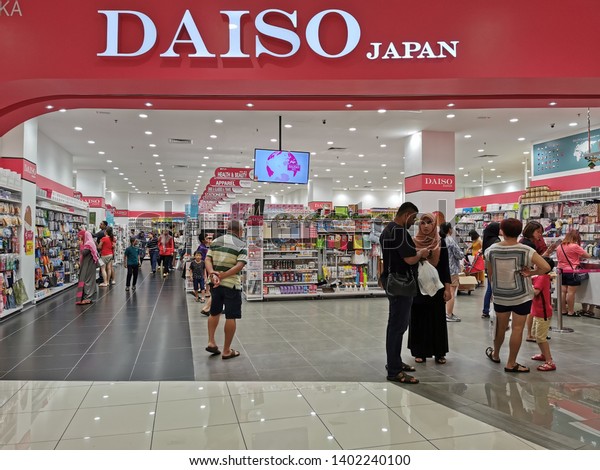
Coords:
477,218
253,280
58,219
12,296
306,258
190,233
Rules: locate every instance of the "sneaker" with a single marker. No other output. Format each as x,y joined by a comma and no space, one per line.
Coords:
133,288
452,318
127,289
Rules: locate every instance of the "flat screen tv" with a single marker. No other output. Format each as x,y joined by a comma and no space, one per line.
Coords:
281,166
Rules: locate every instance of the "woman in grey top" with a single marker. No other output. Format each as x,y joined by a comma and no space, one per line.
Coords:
509,270
455,255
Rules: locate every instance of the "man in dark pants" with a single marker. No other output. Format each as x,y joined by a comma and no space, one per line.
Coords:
399,256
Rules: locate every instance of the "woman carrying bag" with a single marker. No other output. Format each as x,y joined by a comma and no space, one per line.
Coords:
569,254
428,333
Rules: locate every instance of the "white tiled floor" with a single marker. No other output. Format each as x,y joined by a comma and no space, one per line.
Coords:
235,415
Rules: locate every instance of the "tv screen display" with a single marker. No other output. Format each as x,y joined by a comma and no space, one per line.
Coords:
281,166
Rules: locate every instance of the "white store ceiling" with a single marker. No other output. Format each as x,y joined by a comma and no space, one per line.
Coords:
368,157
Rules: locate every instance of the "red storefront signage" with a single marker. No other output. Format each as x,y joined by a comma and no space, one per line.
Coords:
77,195
429,182
309,55
314,205
121,213
22,166
94,202
233,173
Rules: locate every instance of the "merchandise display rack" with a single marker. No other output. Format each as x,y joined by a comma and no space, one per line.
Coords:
311,258
58,218
10,233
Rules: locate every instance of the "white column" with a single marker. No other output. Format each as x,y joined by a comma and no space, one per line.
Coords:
429,161
92,183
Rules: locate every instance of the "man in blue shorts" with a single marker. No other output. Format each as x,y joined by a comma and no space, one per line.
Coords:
225,259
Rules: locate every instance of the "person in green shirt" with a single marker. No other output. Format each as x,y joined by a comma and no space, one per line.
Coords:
132,258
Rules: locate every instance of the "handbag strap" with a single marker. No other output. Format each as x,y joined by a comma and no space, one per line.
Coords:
568,260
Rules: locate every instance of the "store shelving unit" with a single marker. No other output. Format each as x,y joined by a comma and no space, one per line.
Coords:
253,280
10,234
58,218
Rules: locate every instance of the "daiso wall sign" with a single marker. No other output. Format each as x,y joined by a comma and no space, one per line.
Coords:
289,27
429,182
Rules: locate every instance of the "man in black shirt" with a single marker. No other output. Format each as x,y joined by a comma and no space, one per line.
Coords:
99,235
399,256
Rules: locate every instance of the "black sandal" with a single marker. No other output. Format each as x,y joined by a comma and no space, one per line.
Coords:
440,360
408,368
404,379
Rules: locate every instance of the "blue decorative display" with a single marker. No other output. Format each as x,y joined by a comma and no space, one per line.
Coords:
564,154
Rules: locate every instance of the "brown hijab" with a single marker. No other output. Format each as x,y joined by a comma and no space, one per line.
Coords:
432,241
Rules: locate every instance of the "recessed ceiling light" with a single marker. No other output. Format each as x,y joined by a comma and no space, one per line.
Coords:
356,186
351,176
213,136
525,153
273,140
381,111
514,120
450,116
572,124
352,129
157,163
328,169
115,167
78,128
481,150
149,105
553,103
121,174
250,105
312,153
504,181
383,164
160,169
152,145
466,174
49,107
219,121
450,105
206,157
101,152
521,139
91,142
385,177
316,176
385,187
143,116
523,163
365,171
401,172
74,171
337,181
209,148
474,181
461,167
203,164
288,126
360,155
468,136
201,171
155,155
330,143
490,161
63,110
342,163
349,105
383,145
492,169
369,182
498,176
148,132
108,161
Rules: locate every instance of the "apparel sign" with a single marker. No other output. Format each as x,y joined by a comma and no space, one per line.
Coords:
230,183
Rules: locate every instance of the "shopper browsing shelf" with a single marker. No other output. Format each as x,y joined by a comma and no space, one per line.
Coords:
509,271
569,254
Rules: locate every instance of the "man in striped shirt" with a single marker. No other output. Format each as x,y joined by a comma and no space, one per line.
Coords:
225,259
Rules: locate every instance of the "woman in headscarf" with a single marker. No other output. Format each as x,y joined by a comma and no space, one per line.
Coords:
166,248
88,258
491,235
428,334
